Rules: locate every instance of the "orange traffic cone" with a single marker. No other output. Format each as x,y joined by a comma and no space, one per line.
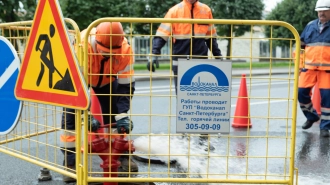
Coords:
316,99
241,118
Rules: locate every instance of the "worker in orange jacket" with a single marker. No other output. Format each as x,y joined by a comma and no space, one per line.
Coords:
192,40
316,68
110,70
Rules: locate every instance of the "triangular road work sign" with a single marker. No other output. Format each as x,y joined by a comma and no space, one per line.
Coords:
49,72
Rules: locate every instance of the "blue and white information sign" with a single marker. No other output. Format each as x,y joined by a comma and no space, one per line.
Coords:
204,93
10,107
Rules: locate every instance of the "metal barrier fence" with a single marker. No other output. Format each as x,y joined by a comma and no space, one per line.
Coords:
36,138
244,156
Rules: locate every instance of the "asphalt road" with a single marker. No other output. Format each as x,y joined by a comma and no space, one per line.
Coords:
312,156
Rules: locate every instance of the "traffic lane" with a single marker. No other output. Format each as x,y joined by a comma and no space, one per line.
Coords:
174,103
41,124
18,172
269,119
165,104
268,104
34,171
37,118
41,119
312,151
157,100
160,102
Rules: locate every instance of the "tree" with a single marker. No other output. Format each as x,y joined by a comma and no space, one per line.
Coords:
84,12
151,9
13,11
296,12
16,10
235,9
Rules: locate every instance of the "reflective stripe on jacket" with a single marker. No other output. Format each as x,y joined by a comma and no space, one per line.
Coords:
185,33
68,138
317,50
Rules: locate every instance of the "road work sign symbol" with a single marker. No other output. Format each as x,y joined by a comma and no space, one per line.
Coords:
49,72
11,108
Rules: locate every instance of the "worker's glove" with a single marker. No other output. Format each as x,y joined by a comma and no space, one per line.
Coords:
93,124
124,124
153,63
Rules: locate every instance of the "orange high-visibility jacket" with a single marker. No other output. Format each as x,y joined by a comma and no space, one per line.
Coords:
302,58
203,36
317,49
102,70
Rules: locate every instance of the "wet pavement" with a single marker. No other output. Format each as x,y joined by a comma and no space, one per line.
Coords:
312,155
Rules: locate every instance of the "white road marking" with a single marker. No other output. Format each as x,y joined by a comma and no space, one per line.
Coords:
154,89
157,89
265,102
8,72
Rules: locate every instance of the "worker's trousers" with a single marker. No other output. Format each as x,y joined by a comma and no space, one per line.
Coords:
68,121
307,80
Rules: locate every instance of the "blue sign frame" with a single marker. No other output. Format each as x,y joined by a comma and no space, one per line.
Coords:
10,107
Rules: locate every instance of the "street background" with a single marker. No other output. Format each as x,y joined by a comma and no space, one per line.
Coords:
312,152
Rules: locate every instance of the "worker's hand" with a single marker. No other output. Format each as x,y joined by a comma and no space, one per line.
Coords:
124,124
153,64
93,124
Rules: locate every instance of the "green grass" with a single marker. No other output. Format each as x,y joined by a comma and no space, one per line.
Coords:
237,65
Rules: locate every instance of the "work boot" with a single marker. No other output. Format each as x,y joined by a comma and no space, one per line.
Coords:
324,133
308,124
68,179
203,141
128,165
